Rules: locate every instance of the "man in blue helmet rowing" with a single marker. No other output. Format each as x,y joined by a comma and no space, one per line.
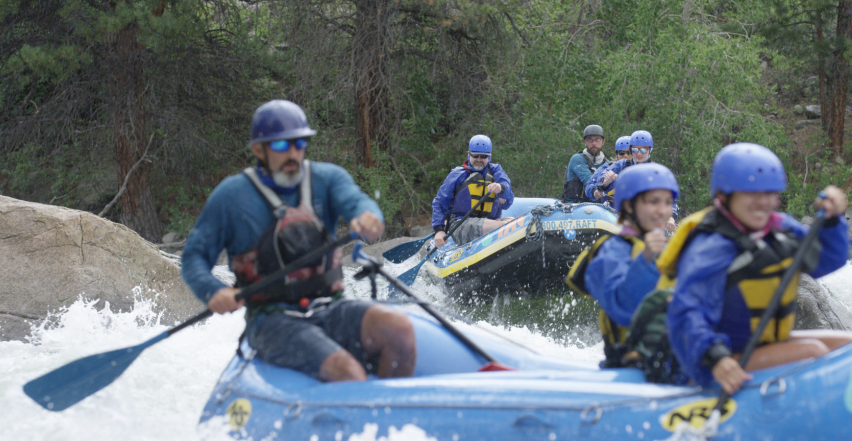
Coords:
272,214
463,188
583,164
641,144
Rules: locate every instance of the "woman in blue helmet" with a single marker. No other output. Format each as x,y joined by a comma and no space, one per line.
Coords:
640,145
728,260
622,148
618,271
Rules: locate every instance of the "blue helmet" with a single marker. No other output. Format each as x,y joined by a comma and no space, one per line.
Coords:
642,137
744,166
622,143
640,178
479,144
279,119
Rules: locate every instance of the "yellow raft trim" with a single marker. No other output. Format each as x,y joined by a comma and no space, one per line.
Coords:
513,237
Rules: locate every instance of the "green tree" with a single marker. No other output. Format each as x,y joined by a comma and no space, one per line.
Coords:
143,84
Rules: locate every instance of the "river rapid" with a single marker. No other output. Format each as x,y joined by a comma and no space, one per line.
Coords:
161,395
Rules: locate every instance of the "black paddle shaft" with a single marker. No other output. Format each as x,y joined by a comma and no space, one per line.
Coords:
458,224
770,310
270,279
428,308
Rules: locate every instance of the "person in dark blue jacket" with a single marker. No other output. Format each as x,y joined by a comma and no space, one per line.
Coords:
463,188
641,145
274,213
728,269
619,271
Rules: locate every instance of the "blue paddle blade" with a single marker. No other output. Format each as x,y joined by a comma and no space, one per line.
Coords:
407,278
66,386
403,252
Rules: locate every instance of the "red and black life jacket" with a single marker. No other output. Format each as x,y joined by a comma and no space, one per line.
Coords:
297,230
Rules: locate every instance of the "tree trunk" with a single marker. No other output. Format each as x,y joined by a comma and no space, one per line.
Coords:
138,210
370,55
823,99
837,119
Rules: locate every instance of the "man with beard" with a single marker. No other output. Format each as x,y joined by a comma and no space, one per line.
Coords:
272,214
583,164
463,188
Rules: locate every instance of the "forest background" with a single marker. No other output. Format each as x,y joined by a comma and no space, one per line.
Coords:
136,109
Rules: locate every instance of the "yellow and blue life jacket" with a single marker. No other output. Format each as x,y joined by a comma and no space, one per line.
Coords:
612,332
752,277
470,191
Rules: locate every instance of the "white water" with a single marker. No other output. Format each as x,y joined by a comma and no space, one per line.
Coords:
160,396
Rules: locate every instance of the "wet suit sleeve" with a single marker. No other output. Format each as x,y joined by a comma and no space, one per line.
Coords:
592,185
442,204
618,282
206,240
346,198
697,302
834,240
502,178
579,168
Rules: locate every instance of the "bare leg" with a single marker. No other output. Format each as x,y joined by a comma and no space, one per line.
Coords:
831,338
388,332
492,224
341,366
785,352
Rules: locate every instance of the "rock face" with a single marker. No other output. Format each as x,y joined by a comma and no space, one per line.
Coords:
50,256
818,309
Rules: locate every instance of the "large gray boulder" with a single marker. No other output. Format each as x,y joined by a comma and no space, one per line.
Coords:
50,256
818,309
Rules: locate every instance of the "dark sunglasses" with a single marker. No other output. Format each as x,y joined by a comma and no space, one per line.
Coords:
642,150
623,153
479,156
282,145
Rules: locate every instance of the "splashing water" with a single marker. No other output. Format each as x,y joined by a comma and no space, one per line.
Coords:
161,395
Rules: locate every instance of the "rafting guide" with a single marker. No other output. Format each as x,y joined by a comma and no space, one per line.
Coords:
476,180
583,164
268,216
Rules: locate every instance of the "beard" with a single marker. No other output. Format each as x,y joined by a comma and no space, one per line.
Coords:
477,164
289,180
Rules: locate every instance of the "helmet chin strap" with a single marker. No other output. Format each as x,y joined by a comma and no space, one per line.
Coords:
631,216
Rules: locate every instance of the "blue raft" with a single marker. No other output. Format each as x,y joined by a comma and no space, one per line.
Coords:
533,251
545,399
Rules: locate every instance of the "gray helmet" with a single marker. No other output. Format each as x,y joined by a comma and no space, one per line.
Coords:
593,129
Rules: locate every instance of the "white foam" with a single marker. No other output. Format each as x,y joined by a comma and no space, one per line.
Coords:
161,395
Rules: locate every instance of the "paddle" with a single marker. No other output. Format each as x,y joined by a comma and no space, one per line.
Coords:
711,426
409,276
373,265
403,252
67,385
